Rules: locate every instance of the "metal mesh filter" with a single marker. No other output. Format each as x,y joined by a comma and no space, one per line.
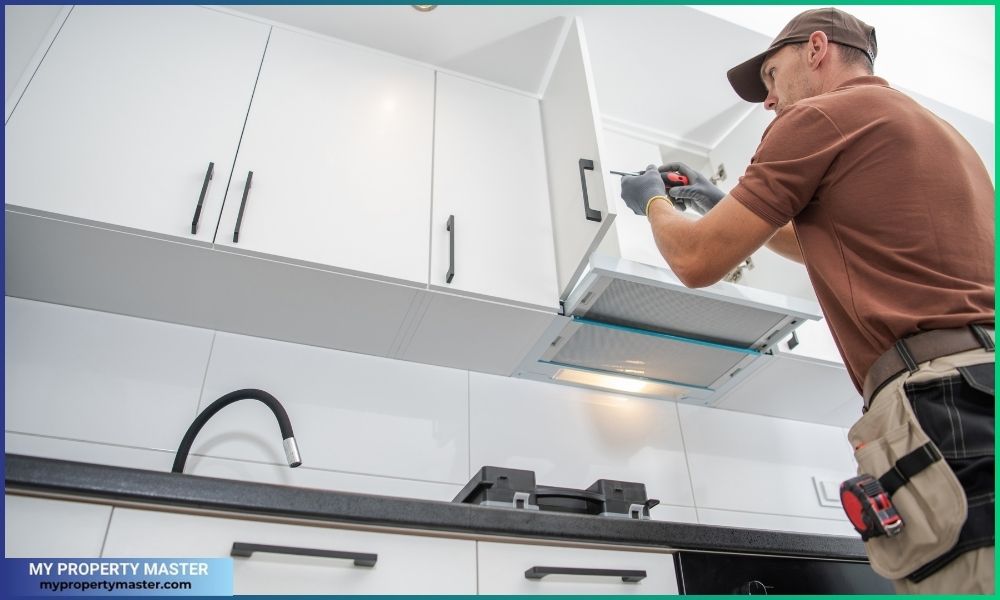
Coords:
682,313
637,354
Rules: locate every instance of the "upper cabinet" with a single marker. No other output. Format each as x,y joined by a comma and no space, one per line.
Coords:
133,118
519,199
335,163
580,215
491,226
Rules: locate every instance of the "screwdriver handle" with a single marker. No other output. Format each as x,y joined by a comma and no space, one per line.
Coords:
675,178
672,178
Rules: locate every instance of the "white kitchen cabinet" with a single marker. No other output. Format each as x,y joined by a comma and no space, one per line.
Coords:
573,150
338,140
41,527
798,388
572,437
537,570
84,375
350,413
464,333
126,113
491,225
404,564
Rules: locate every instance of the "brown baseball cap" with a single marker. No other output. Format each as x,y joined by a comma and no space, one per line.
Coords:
838,26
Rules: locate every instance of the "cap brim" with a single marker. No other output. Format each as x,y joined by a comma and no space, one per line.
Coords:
746,81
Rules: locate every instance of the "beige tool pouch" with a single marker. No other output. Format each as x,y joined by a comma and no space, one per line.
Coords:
932,504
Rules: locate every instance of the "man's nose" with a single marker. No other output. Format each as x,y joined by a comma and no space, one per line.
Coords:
771,102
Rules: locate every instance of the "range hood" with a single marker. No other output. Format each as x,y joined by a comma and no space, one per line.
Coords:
634,328
624,325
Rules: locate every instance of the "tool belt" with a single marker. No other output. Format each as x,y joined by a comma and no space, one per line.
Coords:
909,352
924,491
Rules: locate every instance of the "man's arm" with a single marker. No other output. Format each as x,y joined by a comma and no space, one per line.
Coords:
700,252
786,243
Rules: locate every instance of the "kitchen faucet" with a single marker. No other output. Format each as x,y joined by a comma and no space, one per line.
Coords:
291,448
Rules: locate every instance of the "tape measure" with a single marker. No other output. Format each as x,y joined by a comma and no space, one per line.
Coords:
869,508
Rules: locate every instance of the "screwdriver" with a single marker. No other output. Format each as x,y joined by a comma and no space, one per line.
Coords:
672,176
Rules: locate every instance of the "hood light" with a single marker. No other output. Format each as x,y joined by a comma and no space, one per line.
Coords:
608,382
424,7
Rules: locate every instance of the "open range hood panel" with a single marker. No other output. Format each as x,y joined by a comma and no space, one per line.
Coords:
635,353
632,320
678,312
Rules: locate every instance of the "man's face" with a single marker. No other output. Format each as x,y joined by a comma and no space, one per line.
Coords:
786,76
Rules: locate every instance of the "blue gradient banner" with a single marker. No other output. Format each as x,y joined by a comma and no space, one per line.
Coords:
118,576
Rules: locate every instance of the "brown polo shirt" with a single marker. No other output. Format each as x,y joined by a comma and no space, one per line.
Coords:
893,210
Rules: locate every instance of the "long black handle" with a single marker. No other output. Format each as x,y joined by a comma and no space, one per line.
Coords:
451,250
245,550
627,575
243,205
556,492
592,215
201,198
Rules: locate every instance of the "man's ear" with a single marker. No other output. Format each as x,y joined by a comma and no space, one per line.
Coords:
818,48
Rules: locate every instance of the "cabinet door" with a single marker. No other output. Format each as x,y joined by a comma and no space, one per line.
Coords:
490,186
580,216
127,111
339,142
405,564
524,569
37,527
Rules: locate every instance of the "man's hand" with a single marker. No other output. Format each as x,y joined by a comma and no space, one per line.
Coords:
638,190
700,195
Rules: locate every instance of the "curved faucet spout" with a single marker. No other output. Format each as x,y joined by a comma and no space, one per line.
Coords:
291,448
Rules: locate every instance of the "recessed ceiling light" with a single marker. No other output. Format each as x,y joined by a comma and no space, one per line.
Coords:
424,7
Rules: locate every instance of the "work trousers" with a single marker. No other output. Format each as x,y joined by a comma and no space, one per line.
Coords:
951,400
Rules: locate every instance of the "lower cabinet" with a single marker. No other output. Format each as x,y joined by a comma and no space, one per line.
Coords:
403,564
285,559
530,569
40,527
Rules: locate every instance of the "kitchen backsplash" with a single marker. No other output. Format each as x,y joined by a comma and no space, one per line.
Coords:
112,389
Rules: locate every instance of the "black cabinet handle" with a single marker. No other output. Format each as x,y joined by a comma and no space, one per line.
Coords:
201,198
451,250
628,576
592,215
243,205
245,550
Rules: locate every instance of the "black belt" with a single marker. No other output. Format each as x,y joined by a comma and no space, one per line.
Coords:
909,352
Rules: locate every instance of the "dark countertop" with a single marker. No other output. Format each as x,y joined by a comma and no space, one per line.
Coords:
188,491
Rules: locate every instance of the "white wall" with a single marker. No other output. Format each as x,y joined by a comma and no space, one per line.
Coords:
25,29
108,389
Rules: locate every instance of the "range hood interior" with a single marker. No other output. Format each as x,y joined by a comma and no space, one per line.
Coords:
636,328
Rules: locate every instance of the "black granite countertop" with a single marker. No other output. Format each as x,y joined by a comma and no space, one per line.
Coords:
62,477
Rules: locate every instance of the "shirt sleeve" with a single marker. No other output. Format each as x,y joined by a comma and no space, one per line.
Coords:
790,164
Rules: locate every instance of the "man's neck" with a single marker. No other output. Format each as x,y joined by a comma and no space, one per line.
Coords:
838,76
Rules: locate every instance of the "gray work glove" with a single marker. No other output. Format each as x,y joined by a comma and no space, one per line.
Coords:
638,189
699,195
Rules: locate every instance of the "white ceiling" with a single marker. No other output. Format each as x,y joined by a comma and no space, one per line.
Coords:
663,67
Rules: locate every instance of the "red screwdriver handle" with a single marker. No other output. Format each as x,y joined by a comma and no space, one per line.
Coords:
674,179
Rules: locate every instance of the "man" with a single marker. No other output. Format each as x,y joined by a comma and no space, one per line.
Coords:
891,212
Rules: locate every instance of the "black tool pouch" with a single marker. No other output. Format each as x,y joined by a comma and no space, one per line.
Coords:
957,413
